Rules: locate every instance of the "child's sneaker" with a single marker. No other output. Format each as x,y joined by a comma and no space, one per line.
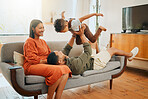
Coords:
102,28
135,52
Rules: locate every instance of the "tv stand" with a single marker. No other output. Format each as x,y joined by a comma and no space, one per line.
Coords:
127,42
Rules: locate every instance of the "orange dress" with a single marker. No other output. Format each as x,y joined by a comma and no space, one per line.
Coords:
36,50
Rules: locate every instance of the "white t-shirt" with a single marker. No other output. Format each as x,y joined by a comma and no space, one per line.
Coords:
75,24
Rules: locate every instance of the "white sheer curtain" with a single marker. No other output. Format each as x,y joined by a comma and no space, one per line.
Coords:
92,21
82,8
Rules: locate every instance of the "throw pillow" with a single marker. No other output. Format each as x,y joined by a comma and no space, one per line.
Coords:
18,58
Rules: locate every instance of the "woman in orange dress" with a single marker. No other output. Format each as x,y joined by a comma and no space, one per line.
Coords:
36,52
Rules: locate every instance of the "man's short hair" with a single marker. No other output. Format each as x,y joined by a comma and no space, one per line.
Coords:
59,25
52,58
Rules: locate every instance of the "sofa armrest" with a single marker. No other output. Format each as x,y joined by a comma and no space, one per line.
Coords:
6,69
116,58
121,59
16,77
123,63
15,67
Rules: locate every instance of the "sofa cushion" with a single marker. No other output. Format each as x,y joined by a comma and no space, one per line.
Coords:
33,79
75,76
110,66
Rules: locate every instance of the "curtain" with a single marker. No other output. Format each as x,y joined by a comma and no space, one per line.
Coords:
82,8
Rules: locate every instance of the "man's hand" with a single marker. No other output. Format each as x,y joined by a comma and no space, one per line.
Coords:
99,14
81,30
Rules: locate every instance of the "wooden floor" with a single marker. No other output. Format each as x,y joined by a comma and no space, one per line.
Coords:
133,84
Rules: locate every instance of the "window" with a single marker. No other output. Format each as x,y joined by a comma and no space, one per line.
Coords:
15,16
94,8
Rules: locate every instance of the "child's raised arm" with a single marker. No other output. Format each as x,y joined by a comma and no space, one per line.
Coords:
62,14
89,15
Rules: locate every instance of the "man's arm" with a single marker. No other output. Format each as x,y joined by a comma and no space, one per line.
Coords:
84,58
68,47
89,15
86,45
71,41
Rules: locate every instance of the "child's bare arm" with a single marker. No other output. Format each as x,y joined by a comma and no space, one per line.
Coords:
62,15
89,15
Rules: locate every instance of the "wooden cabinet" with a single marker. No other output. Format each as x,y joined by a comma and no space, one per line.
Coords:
127,42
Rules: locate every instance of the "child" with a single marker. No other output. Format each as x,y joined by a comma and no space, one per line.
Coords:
62,25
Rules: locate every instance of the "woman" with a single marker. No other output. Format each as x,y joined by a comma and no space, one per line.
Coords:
36,52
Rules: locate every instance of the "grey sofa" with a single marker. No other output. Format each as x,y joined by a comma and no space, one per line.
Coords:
31,85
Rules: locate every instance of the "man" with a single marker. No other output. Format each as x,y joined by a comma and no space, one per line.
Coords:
85,61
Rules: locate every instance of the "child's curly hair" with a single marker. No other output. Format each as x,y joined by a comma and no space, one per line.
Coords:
59,25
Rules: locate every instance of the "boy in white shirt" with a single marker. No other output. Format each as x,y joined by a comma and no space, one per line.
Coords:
63,26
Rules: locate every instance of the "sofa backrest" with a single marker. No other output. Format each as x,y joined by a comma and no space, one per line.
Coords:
8,49
59,45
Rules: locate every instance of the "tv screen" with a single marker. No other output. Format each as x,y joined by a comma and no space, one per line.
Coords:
135,18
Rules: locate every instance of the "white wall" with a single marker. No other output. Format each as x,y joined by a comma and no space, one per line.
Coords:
16,15
15,18
112,20
55,7
9,39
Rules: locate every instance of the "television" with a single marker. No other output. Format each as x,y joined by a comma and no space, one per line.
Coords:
135,18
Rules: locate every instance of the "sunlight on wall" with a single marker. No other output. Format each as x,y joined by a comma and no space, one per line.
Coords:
53,8
16,15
